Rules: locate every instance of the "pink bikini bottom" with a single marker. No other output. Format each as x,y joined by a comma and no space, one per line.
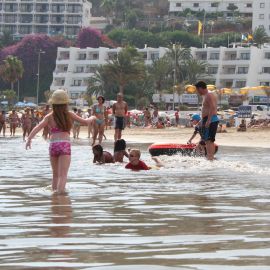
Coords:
59,148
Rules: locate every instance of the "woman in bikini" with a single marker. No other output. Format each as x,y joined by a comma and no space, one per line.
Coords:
59,121
99,111
26,122
13,122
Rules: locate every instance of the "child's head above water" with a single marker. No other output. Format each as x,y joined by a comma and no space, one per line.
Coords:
120,145
135,153
97,149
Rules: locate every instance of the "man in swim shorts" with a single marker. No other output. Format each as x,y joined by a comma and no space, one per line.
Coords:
209,118
119,110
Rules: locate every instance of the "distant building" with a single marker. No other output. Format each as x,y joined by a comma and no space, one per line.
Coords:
52,17
261,15
236,67
74,66
244,6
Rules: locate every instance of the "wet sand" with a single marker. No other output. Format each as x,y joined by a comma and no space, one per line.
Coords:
251,138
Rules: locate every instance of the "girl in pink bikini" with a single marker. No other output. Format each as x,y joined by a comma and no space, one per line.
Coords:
59,122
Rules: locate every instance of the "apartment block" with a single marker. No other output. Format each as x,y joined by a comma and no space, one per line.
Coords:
236,67
261,15
52,17
74,66
244,6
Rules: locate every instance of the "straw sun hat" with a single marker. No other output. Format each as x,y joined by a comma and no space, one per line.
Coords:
59,96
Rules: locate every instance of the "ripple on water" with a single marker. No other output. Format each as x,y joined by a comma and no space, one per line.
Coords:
191,214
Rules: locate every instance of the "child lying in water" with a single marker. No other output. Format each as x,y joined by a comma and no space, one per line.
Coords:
136,164
101,156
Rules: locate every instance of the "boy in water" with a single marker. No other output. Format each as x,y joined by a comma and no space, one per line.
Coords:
195,119
136,164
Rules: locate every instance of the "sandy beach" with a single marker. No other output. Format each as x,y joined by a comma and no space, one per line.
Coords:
250,138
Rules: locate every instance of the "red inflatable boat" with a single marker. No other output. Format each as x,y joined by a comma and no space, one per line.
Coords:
169,149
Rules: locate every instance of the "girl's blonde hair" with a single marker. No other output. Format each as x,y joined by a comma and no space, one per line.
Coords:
61,117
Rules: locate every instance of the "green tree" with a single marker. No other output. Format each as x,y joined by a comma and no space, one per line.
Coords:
158,72
6,39
177,55
260,36
195,70
128,66
97,83
108,6
10,96
11,70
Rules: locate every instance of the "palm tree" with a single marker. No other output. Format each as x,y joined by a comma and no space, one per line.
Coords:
108,6
178,55
97,83
195,70
128,66
260,36
10,96
12,70
6,39
158,72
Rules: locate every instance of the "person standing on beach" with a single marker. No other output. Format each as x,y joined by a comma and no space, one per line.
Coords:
100,112
3,123
59,122
209,118
119,110
13,122
26,122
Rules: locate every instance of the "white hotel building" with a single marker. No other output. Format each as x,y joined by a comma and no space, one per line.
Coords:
52,17
244,6
227,67
74,66
259,10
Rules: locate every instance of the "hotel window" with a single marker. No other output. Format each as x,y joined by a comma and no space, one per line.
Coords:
62,82
79,69
240,84
178,5
196,4
261,16
214,4
82,56
77,82
214,56
249,5
267,55
242,70
212,70
245,56
262,5
266,70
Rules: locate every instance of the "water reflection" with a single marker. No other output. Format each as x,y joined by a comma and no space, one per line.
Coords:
61,215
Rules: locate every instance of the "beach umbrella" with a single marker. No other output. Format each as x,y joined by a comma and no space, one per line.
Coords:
30,104
225,91
190,89
211,87
135,111
19,104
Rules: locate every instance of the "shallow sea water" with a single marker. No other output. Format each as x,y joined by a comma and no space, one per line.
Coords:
191,214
